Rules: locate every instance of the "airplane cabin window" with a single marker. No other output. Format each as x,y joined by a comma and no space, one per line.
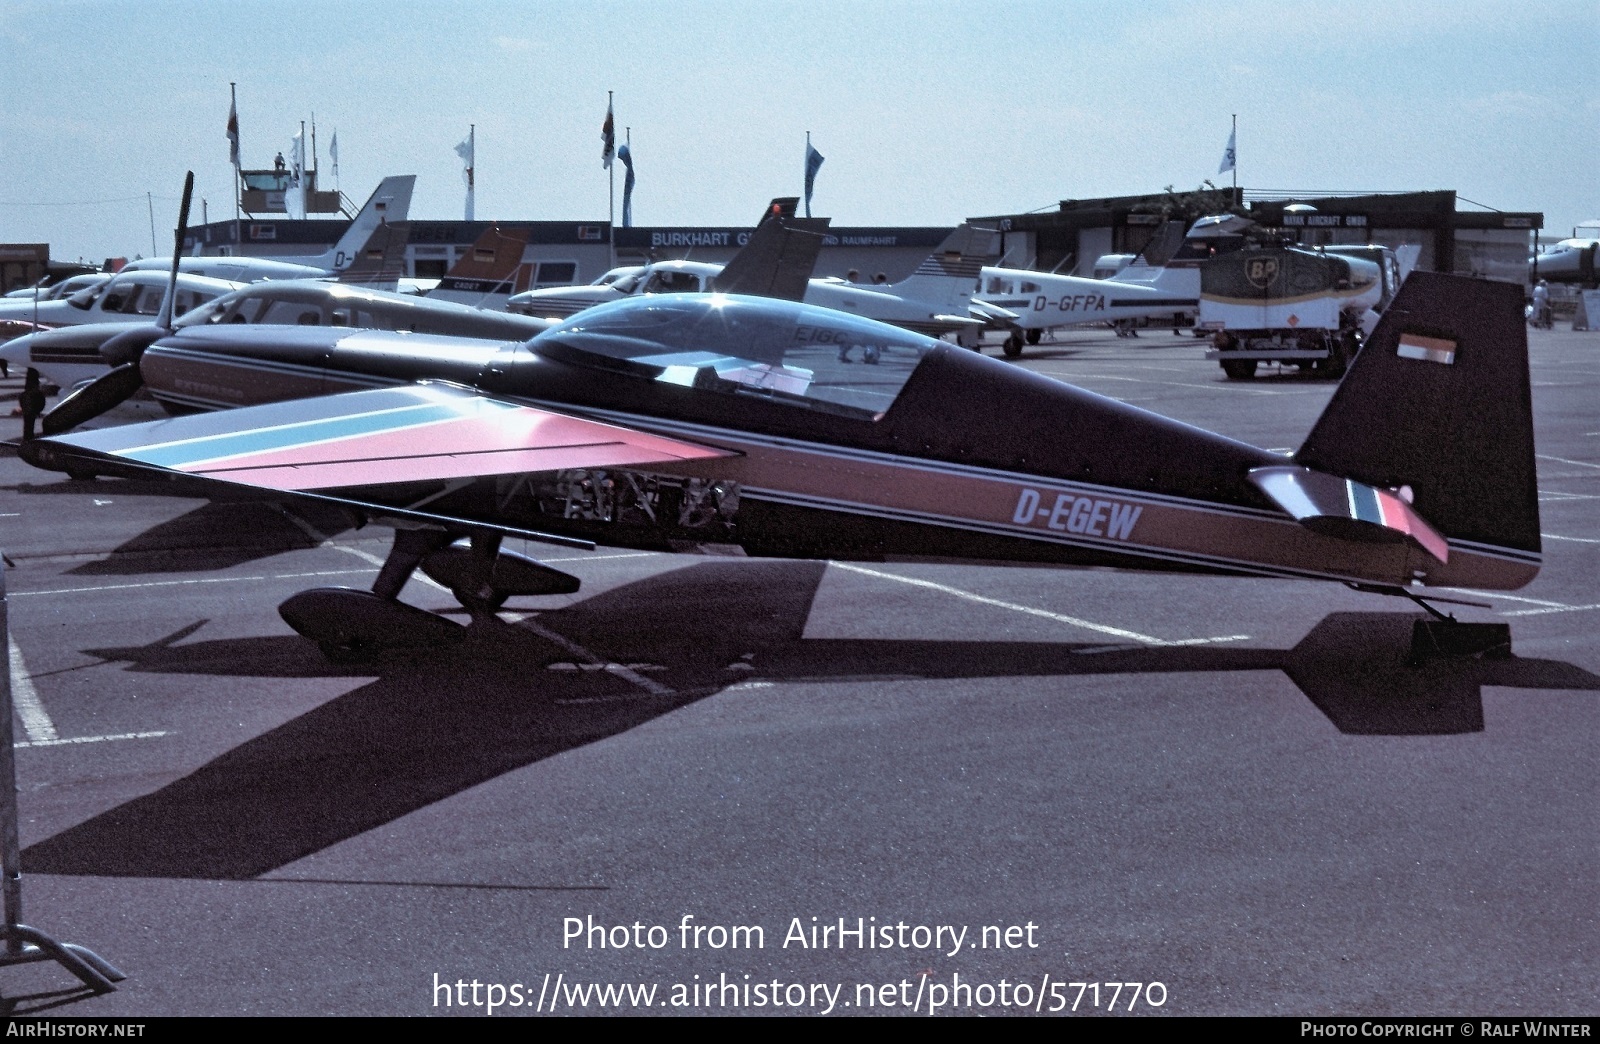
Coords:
1029,287
673,283
148,302
210,312
290,313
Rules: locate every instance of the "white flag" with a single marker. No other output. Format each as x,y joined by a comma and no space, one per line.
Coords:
1229,156
294,196
467,150
333,153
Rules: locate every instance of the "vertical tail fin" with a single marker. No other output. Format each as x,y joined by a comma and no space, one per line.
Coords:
778,258
948,277
489,272
382,262
391,202
1439,400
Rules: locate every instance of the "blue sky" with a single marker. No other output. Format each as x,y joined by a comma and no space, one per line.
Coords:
927,112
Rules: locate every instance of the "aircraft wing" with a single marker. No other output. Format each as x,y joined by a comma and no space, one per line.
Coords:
416,433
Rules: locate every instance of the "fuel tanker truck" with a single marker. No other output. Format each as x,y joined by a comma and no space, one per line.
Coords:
1309,307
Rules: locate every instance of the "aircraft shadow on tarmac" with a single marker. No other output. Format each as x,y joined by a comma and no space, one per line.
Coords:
219,534
435,725
214,536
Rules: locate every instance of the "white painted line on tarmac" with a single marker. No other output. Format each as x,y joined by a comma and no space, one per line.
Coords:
597,558
93,739
35,721
1179,384
1499,594
184,583
623,671
1564,460
1575,540
1551,609
1089,625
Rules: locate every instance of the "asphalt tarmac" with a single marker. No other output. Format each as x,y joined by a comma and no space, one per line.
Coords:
758,787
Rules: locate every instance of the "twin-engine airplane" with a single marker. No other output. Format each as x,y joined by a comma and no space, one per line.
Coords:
678,422
935,299
775,261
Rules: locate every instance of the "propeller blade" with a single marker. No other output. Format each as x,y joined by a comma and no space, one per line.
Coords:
31,402
129,345
93,399
164,320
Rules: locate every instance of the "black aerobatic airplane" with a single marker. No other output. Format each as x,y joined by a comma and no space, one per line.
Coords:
675,422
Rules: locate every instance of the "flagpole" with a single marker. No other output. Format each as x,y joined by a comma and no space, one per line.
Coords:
611,206
233,107
1235,139
627,141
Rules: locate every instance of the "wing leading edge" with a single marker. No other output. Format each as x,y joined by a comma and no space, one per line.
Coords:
417,433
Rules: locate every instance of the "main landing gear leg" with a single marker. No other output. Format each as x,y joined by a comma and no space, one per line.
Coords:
411,546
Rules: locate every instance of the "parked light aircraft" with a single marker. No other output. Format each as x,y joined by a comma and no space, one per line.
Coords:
1171,260
65,288
776,261
391,202
555,304
71,355
80,355
490,272
124,296
1569,261
935,299
678,422
1043,301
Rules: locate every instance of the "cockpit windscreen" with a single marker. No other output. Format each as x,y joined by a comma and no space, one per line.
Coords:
803,356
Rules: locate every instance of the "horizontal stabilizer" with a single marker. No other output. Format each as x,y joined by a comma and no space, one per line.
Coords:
1347,508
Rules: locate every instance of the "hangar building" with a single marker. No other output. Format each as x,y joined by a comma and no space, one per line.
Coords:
1488,243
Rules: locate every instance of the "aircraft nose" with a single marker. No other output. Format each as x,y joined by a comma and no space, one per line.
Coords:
15,352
